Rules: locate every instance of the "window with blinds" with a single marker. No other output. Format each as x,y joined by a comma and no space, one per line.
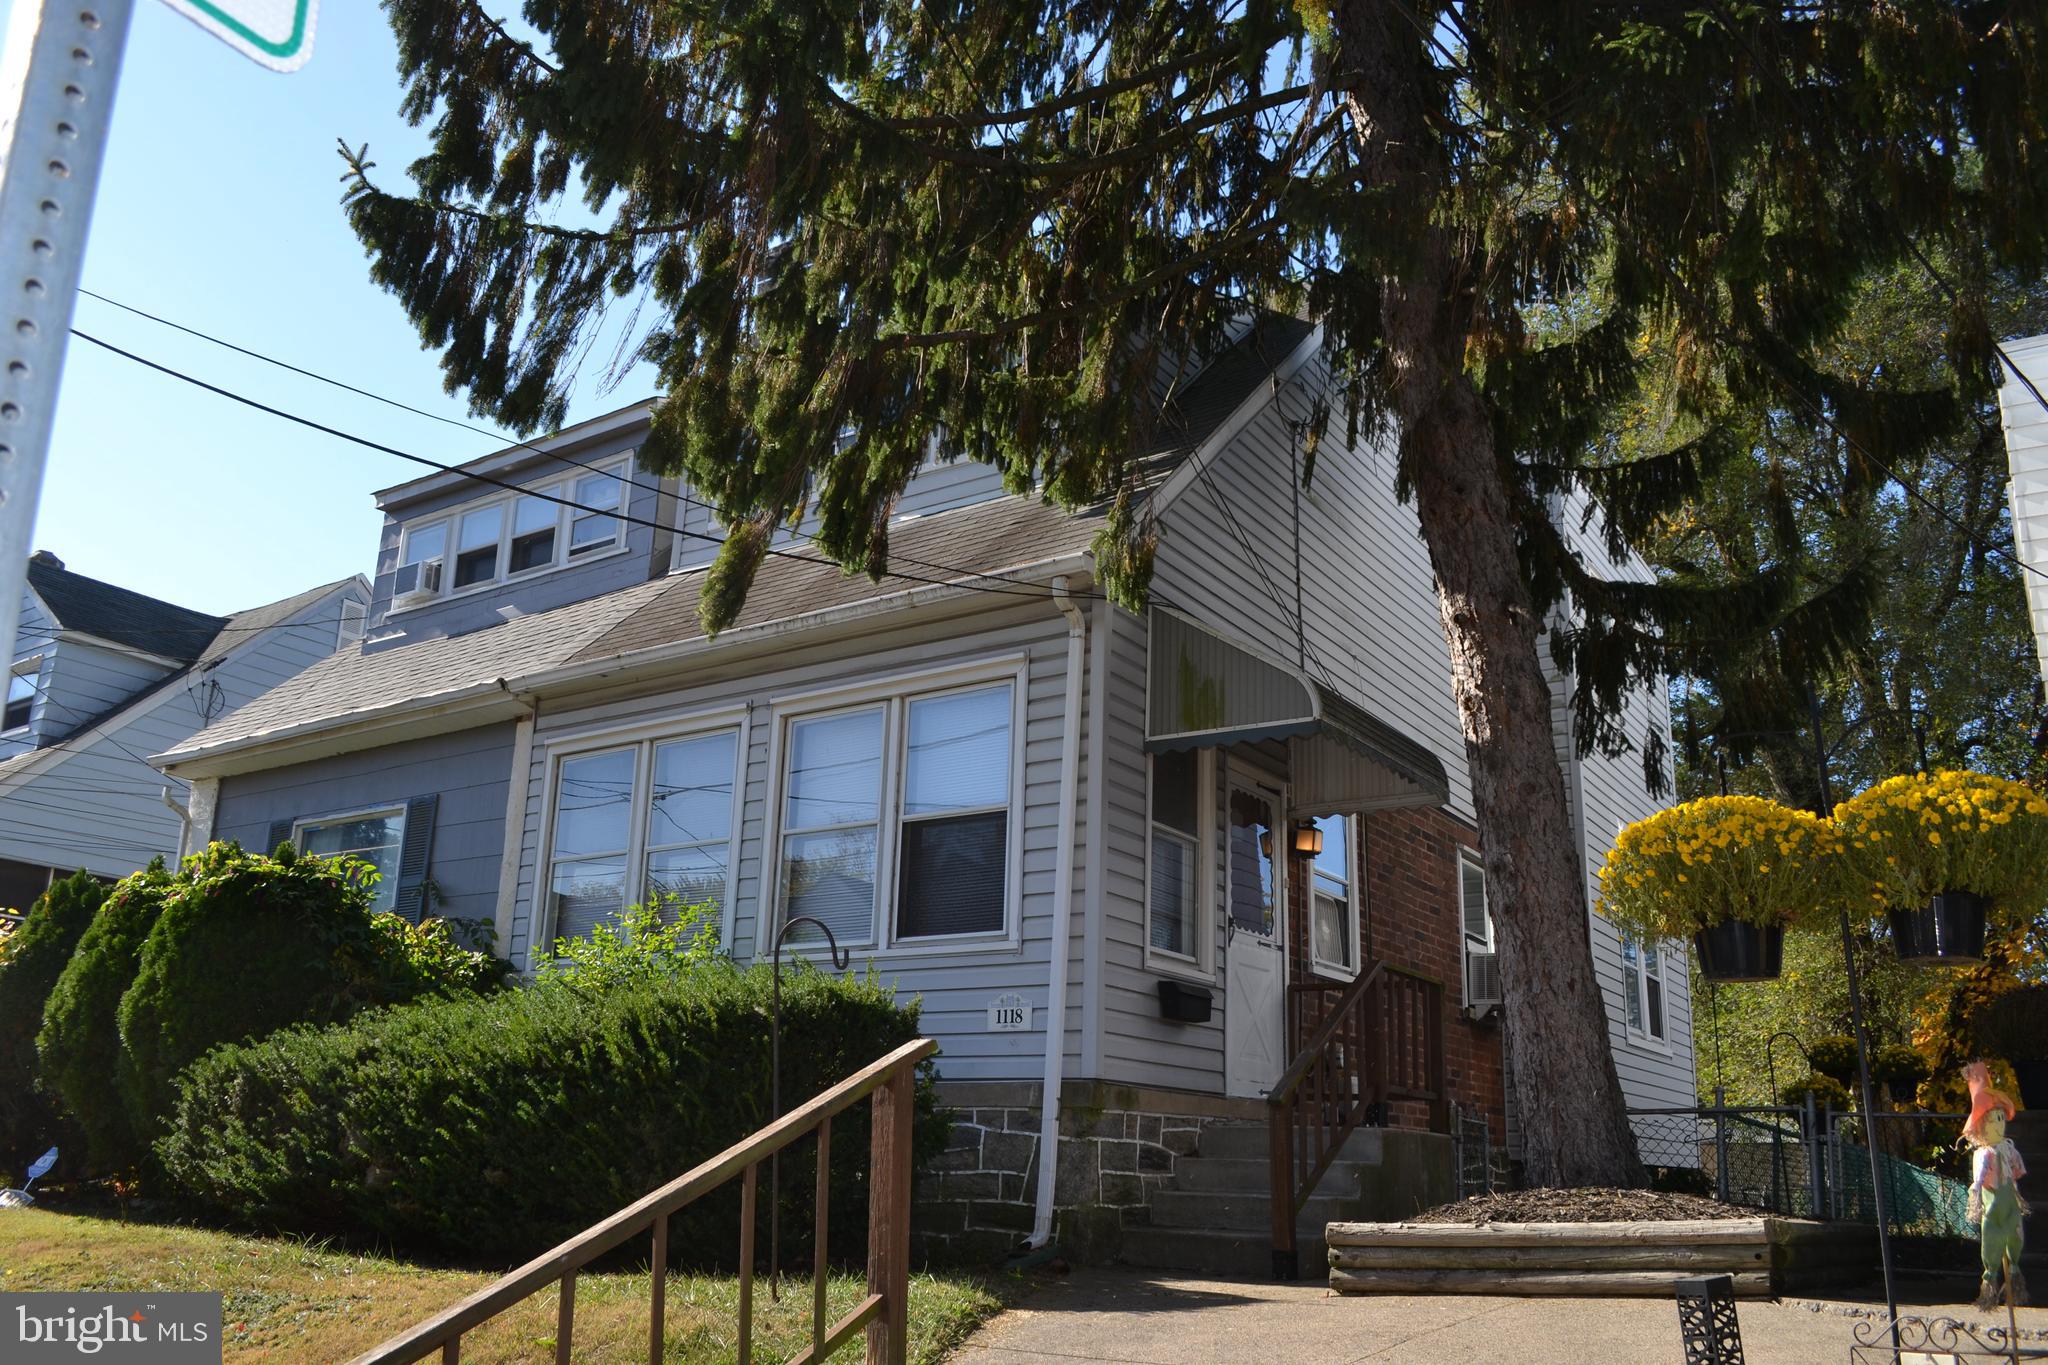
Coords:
1334,915
897,816
1177,801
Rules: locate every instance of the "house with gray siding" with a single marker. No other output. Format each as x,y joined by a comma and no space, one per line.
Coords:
1131,862
103,677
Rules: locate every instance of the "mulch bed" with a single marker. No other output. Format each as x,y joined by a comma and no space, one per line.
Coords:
1580,1206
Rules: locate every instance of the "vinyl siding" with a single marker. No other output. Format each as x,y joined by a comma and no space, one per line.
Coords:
955,987
2026,452
34,636
1367,592
1608,792
468,769
82,680
100,806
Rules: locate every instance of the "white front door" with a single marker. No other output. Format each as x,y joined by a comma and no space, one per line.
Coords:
1255,962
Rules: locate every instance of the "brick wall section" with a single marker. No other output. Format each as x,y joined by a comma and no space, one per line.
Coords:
1412,920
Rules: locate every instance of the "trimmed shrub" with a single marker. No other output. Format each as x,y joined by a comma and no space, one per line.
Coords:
496,1126
79,1047
249,943
31,960
1900,1067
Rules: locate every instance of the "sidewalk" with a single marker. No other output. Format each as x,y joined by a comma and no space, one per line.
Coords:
1155,1318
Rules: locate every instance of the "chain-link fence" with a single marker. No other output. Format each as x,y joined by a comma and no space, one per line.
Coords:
1812,1163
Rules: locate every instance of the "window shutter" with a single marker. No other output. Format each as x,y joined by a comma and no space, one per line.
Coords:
414,855
280,833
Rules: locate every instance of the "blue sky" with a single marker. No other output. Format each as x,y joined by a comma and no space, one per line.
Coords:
219,208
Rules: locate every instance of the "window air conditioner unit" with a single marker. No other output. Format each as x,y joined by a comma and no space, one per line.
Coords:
419,579
1482,982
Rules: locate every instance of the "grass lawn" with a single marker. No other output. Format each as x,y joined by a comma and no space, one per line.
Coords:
299,1301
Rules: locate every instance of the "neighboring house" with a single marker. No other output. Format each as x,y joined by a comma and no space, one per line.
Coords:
2026,454
1012,799
102,678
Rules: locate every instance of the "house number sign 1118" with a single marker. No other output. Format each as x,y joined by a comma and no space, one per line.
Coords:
1009,1013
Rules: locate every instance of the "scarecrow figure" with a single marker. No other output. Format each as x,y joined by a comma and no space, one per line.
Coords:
1995,1203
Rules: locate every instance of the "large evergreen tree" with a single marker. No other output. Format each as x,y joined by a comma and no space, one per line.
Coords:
853,227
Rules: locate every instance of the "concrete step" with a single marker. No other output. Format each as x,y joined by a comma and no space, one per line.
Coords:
1253,1175
1252,1141
1213,1211
1231,1255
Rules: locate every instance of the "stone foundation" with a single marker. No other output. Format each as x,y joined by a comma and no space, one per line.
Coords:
976,1202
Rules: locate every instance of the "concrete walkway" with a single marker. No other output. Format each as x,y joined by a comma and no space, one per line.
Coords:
1158,1318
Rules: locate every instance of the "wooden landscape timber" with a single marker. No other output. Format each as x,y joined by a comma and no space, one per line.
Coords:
1765,1256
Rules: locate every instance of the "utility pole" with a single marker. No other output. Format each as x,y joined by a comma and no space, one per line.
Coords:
58,72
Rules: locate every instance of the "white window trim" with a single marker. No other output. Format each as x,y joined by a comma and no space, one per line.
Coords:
1355,891
1642,1037
556,485
342,636
388,811
1201,966
1468,857
894,693
641,736
30,668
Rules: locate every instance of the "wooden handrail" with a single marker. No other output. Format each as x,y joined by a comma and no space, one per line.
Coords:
1381,1039
884,1313
1290,1079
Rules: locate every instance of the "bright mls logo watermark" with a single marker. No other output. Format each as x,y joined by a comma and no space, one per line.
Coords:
165,1329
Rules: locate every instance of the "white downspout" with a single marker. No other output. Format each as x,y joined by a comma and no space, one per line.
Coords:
184,822
1062,919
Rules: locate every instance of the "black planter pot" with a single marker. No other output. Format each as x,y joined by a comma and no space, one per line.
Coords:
1736,950
2033,1079
1950,930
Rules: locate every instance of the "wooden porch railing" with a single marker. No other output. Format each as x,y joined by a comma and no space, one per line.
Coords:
1377,1038
885,1310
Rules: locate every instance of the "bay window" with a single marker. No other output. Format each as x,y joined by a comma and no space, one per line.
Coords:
896,821
645,821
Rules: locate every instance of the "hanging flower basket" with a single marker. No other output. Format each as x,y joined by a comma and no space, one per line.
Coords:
1736,950
1941,857
1730,873
1948,930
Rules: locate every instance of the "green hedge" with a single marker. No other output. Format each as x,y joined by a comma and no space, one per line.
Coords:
79,1047
33,958
248,944
494,1127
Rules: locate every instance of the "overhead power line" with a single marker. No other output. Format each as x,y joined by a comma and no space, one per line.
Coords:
491,480
675,496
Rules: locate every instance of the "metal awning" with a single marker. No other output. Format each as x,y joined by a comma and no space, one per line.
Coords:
1204,690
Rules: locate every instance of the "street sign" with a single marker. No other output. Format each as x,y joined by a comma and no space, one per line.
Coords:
275,33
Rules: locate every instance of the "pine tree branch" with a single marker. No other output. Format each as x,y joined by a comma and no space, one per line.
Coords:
476,8
1137,80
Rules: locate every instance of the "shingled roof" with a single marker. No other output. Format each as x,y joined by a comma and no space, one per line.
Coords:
121,615
974,547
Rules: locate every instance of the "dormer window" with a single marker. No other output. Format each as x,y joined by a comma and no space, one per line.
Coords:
21,695
510,536
476,547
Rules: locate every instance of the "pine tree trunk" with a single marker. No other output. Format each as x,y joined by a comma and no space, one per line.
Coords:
1567,1095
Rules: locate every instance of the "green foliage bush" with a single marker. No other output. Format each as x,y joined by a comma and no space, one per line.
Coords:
249,943
1834,1056
79,1047
31,960
496,1126
2015,1025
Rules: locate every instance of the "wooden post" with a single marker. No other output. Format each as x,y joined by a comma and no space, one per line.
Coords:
565,1320
1280,1147
747,1189
658,1316
1440,1107
818,1264
889,1216
451,1352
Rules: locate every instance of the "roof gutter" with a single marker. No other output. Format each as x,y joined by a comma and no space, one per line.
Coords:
484,702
